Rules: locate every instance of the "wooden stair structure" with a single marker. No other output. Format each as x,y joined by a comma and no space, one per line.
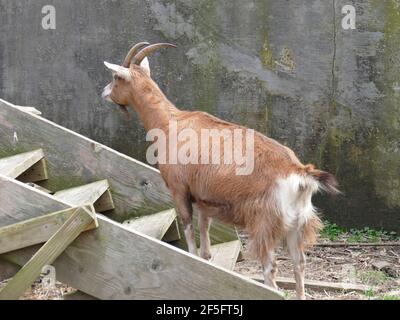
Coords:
105,222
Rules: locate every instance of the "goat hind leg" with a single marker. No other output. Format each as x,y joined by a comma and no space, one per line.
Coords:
185,210
270,269
295,247
205,245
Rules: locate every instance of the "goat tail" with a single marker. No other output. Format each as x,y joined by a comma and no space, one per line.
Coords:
326,180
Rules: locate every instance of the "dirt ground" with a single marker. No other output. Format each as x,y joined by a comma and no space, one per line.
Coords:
348,264
353,264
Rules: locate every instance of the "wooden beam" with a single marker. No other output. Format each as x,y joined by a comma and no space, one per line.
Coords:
154,225
290,284
36,173
88,194
33,231
16,165
137,188
113,262
226,254
104,203
80,219
172,233
32,110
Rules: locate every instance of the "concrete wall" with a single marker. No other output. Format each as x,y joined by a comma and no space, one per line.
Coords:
283,67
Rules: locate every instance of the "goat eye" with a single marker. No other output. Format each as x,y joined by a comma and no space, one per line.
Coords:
116,77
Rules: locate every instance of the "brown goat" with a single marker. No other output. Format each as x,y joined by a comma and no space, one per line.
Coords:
272,203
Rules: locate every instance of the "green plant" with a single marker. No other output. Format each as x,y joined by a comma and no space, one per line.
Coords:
331,231
369,293
373,277
391,297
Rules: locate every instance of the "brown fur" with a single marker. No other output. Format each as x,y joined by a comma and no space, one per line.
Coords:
245,201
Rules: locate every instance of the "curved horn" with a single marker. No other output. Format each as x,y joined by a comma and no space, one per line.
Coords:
132,53
150,49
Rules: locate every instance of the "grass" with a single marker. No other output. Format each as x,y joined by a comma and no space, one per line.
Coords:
333,232
391,297
373,277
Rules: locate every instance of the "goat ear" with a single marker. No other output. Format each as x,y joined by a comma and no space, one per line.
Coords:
145,65
119,70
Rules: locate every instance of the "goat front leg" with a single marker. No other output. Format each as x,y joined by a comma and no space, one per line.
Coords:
296,251
185,210
270,269
205,244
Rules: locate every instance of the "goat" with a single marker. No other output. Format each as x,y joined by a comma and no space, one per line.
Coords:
273,203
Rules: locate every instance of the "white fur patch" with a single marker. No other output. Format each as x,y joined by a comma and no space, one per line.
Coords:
107,92
293,195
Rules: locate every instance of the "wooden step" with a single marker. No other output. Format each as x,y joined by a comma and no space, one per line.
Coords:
226,254
154,225
27,167
96,194
113,262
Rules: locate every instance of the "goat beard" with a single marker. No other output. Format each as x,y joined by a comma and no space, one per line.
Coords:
125,112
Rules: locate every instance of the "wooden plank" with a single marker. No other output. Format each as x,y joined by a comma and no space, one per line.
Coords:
88,194
138,189
80,219
172,233
155,225
36,173
290,284
104,203
16,165
113,262
32,110
33,231
34,185
226,254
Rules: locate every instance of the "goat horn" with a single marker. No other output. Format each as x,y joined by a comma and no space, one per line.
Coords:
132,53
150,49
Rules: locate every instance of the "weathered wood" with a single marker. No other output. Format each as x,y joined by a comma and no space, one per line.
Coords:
172,233
226,254
40,188
16,165
77,160
88,194
80,219
36,173
113,262
155,225
104,203
33,231
32,110
290,284
137,188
